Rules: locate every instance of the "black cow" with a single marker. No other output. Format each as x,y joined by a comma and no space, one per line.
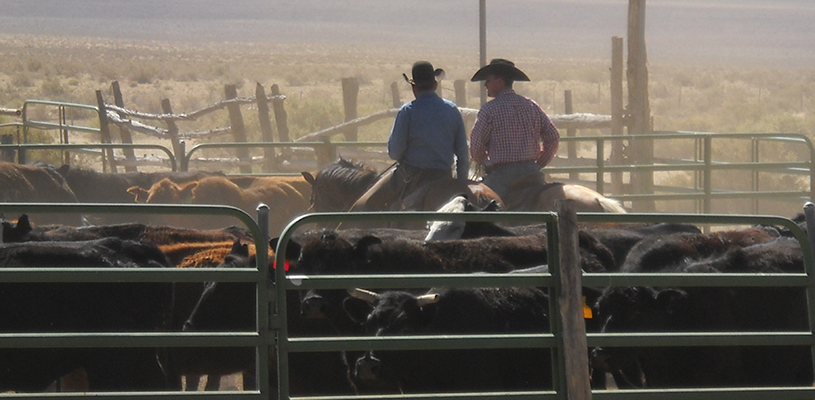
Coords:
659,252
452,311
84,307
24,231
230,306
621,239
181,245
332,254
709,309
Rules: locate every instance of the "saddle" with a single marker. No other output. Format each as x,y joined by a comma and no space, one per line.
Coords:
524,192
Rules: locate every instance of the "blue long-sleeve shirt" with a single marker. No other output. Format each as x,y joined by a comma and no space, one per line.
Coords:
428,133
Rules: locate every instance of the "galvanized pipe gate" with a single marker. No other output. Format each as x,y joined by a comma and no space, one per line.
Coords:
272,338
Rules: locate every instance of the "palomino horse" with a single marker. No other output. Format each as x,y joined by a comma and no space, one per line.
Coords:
532,193
339,184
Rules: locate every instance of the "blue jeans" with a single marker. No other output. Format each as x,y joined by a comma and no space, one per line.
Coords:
502,176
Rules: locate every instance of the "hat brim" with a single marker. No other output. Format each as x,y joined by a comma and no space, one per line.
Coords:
438,74
510,72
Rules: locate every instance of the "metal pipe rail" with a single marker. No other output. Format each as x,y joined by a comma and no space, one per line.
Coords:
21,148
286,344
62,106
702,164
805,280
330,147
262,339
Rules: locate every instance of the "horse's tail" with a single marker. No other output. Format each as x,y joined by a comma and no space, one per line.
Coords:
610,205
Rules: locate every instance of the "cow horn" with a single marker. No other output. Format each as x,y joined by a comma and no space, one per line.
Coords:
364,295
426,299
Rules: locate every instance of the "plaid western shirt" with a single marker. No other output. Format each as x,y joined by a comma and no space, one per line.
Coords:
512,128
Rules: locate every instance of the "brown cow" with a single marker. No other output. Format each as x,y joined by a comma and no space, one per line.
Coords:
92,186
33,184
288,197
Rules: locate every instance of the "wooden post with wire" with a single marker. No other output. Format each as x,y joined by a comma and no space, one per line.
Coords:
265,127
124,133
638,105
350,93
571,147
238,129
617,127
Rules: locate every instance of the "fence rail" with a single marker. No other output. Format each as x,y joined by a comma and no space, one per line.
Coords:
271,310
260,339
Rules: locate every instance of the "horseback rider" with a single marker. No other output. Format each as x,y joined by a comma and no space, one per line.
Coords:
428,135
512,136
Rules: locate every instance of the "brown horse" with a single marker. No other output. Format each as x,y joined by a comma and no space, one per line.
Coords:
532,193
339,184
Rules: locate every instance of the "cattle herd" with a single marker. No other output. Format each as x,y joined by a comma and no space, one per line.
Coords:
133,241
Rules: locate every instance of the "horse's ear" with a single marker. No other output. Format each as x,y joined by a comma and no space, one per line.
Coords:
308,177
63,170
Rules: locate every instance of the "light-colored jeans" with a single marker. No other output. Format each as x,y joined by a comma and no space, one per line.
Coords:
502,176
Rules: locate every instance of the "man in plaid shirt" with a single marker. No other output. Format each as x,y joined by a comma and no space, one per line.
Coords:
512,136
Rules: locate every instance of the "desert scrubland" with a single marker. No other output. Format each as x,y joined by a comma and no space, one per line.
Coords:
721,97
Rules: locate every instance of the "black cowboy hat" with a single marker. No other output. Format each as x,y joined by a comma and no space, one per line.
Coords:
424,75
500,67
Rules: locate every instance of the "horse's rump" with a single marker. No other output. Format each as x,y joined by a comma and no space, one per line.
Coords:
531,193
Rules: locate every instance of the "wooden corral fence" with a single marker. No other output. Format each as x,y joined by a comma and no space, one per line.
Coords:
294,155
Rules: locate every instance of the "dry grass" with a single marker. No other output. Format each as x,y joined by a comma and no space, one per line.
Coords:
724,98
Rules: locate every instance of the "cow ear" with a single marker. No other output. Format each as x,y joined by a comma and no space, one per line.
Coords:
308,177
358,310
670,300
239,249
63,170
23,225
292,250
365,242
138,192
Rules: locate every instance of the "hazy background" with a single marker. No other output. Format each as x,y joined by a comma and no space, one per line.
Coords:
749,32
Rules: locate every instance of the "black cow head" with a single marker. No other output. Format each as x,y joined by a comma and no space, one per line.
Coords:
390,312
18,232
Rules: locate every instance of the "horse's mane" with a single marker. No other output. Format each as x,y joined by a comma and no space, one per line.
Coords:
348,173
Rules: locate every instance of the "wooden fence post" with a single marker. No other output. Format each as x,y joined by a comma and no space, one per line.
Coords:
104,129
395,95
124,133
265,128
571,147
281,120
238,129
573,325
8,154
350,93
617,156
172,130
461,92
638,105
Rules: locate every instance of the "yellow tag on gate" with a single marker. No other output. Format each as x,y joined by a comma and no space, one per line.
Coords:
586,309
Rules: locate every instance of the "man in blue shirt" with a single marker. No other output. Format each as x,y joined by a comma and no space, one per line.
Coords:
427,137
